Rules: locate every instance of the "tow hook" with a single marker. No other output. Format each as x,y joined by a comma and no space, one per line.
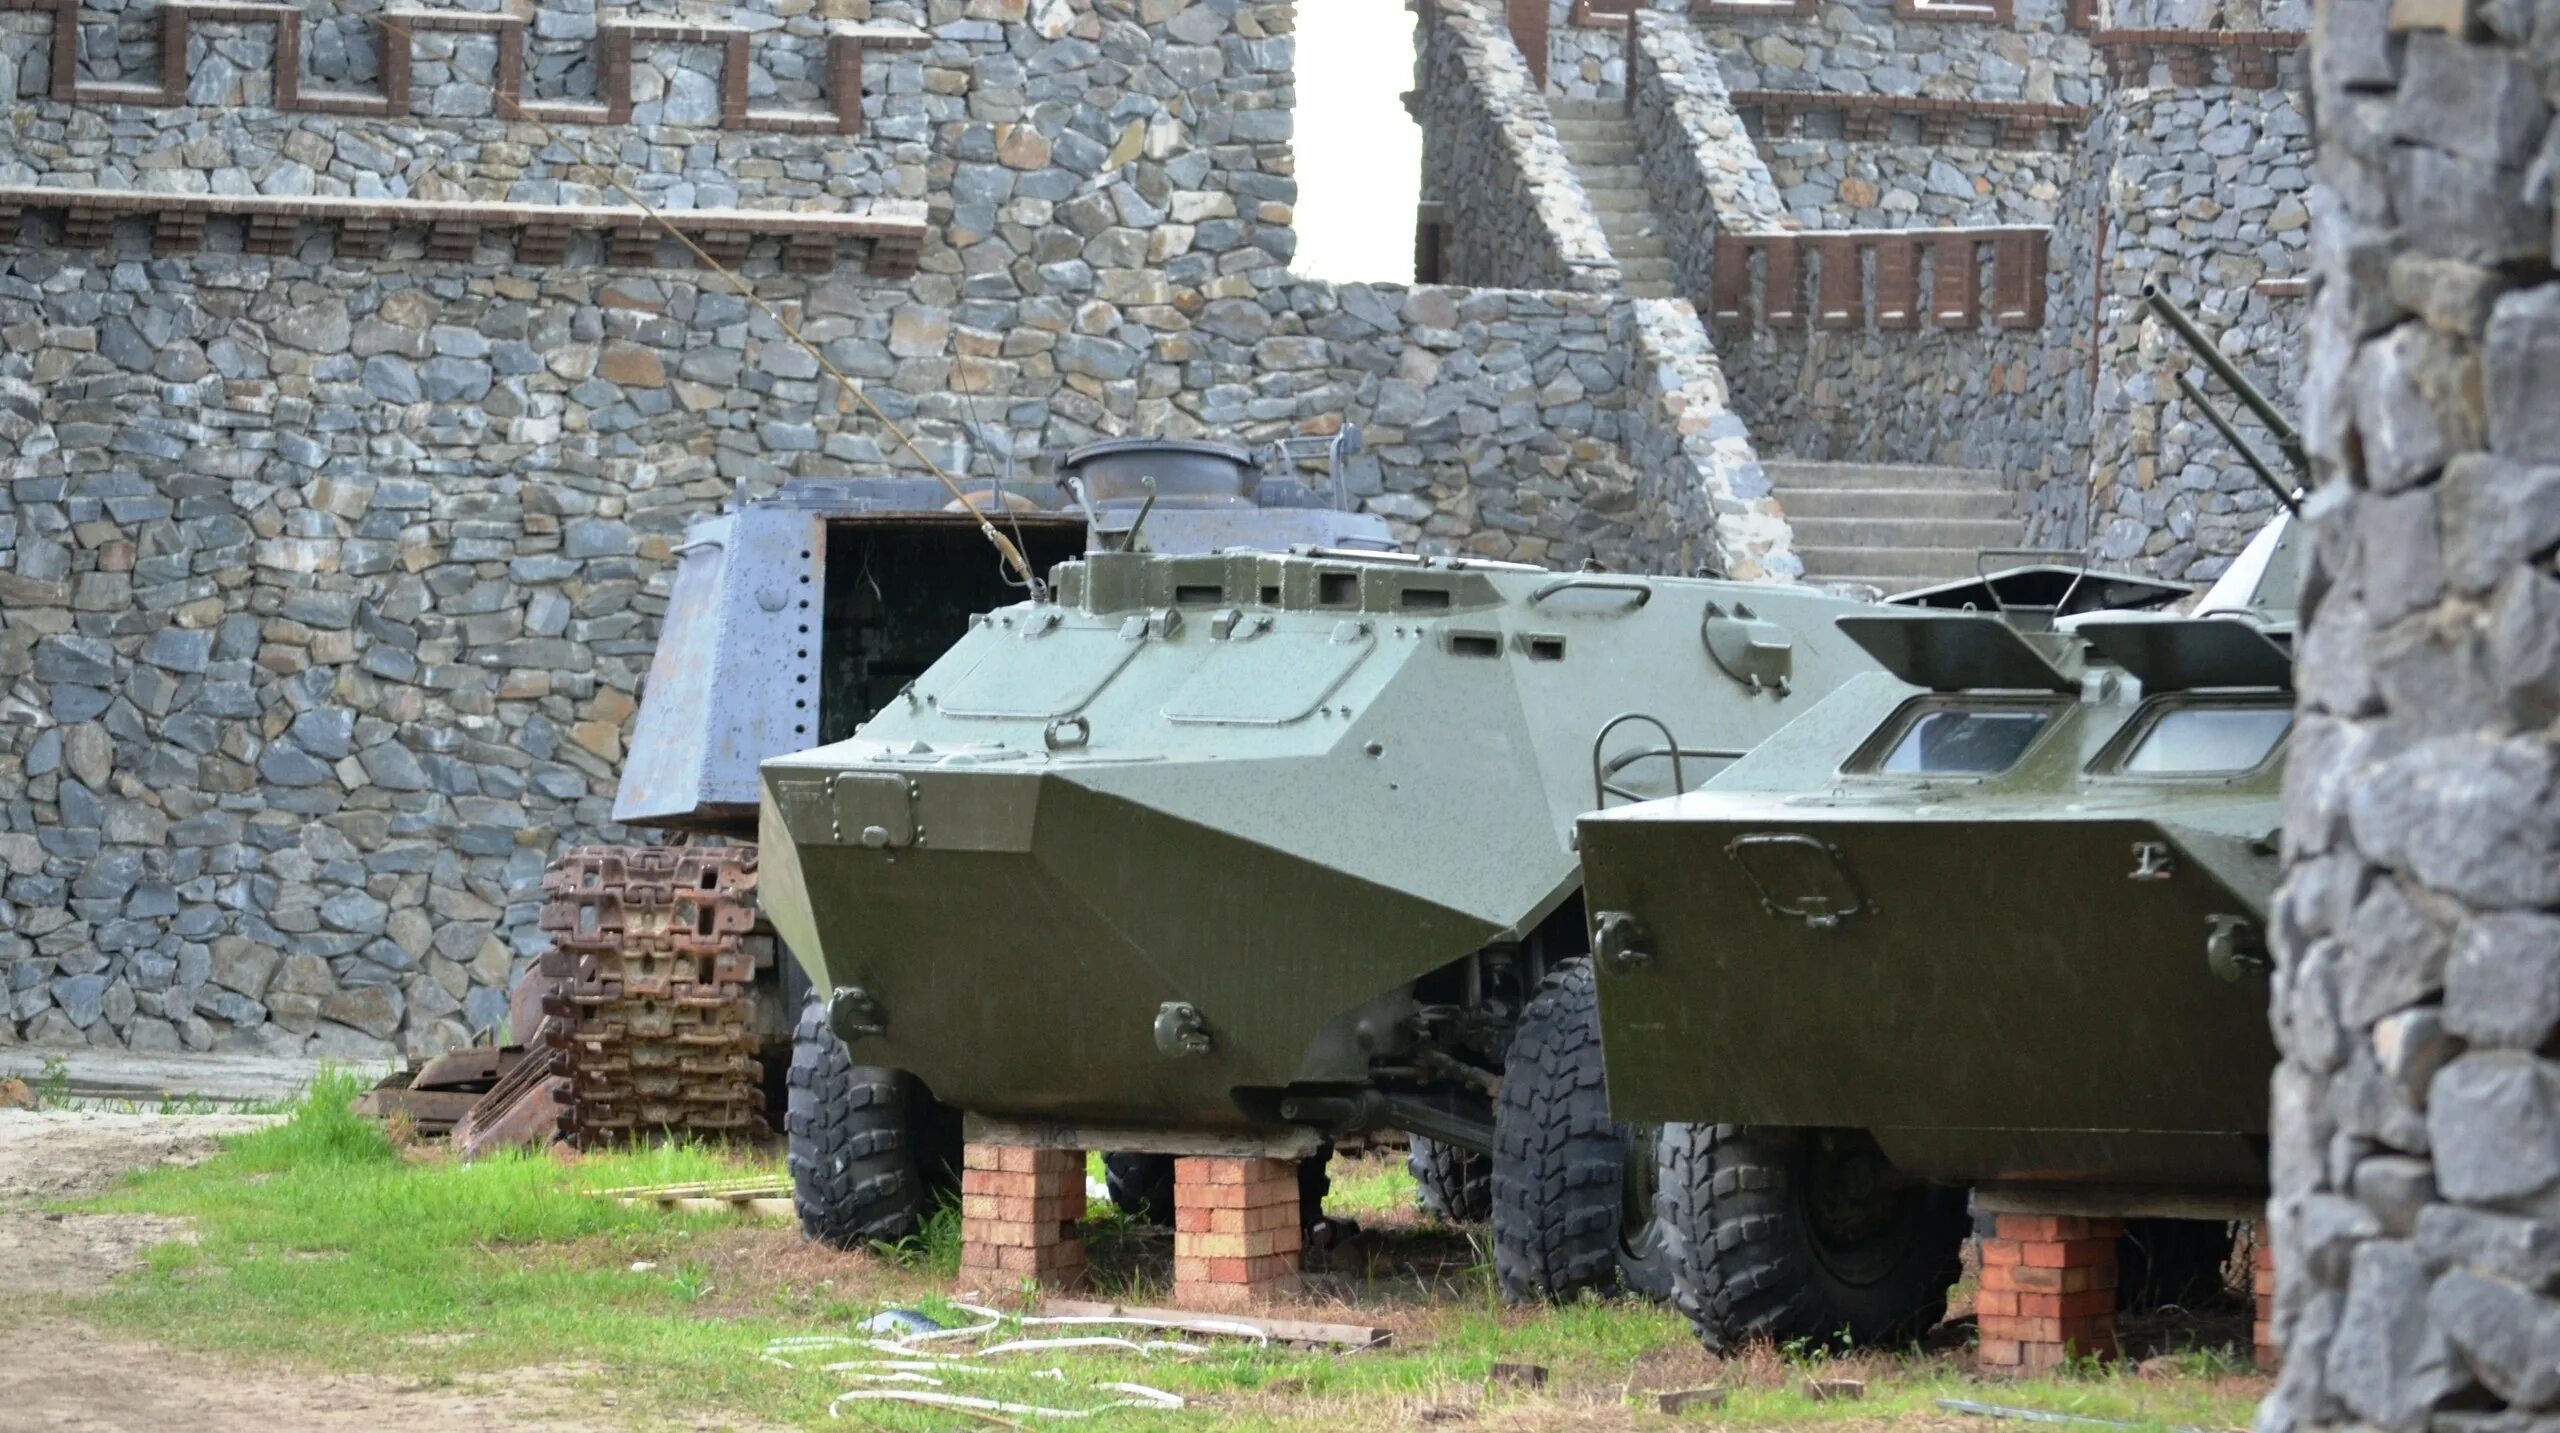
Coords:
1618,941
2232,949
853,1014
1180,1031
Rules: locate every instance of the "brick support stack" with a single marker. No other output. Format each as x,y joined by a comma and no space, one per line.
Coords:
1236,1232
1019,1214
2048,1293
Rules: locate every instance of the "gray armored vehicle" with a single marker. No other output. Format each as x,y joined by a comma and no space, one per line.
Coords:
793,618
1993,918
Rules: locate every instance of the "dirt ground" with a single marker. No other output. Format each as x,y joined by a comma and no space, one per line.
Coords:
58,1375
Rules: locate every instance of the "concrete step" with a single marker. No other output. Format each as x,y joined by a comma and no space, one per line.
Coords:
1802,503
1650,270
1922,564
1902,533
1570,130
1885,585
1628,242
1566,109
1592,153
1818,473
1651,289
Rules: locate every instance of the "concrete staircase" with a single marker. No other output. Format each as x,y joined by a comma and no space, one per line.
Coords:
1894,526
1602,147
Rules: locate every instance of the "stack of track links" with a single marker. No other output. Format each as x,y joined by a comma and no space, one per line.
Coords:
656,1022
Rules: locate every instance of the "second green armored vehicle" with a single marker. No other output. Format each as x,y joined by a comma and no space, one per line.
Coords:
2004,931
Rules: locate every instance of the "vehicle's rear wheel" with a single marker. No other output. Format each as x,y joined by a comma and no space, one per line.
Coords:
1453,1185
2164,1262
872,1151
1573,1190
1787,1234
1141,1186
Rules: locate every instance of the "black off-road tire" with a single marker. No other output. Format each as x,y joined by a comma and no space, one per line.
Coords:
1141,1185
1453,1185
1753,1259
1561,1167
2172,1262
872,1152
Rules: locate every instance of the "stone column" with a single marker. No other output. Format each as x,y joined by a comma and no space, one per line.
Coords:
2416,1148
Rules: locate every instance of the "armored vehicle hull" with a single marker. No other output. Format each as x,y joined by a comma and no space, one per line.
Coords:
1239,842
790,619
1994,920
1983,946
1218,842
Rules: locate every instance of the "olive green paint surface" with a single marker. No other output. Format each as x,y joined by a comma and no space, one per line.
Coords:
2008,977
1281,789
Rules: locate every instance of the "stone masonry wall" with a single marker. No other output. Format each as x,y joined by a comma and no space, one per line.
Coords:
2416,1139
1514,211
1981,397
1830,178
1697,159
2205,189
327,582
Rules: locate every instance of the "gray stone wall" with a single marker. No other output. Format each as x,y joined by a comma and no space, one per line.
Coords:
1698,161
1515,212
1980,397
1828,182
1716,514
2206,192
1589,61
231,139
327,584
2416,1149
1863,47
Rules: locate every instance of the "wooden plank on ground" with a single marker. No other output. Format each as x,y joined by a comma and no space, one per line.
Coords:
1300,1331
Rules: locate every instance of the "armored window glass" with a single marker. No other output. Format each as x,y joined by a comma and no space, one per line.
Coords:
1964,741
2195,741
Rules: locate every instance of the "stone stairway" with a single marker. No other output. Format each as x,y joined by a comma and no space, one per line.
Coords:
1603,150
1894,526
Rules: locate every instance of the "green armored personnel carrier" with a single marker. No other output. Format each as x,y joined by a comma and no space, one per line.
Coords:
1992,917
1239,842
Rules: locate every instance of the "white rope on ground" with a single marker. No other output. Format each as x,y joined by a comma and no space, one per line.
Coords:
918,1369
1140,1396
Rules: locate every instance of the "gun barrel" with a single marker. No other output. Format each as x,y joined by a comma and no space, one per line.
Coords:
2288,441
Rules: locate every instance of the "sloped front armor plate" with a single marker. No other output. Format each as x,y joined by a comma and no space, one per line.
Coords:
1270,680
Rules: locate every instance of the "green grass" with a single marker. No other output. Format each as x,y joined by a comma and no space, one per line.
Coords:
322,1246
1371,1185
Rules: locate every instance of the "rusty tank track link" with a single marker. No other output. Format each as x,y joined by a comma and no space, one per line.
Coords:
655,1025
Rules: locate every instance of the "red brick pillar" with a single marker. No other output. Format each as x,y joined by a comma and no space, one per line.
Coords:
2048,1293
1019,1214
2262,1286
1236,1233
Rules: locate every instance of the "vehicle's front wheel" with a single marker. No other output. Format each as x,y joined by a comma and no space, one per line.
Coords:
872,1151
1573,1190
1788,1234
